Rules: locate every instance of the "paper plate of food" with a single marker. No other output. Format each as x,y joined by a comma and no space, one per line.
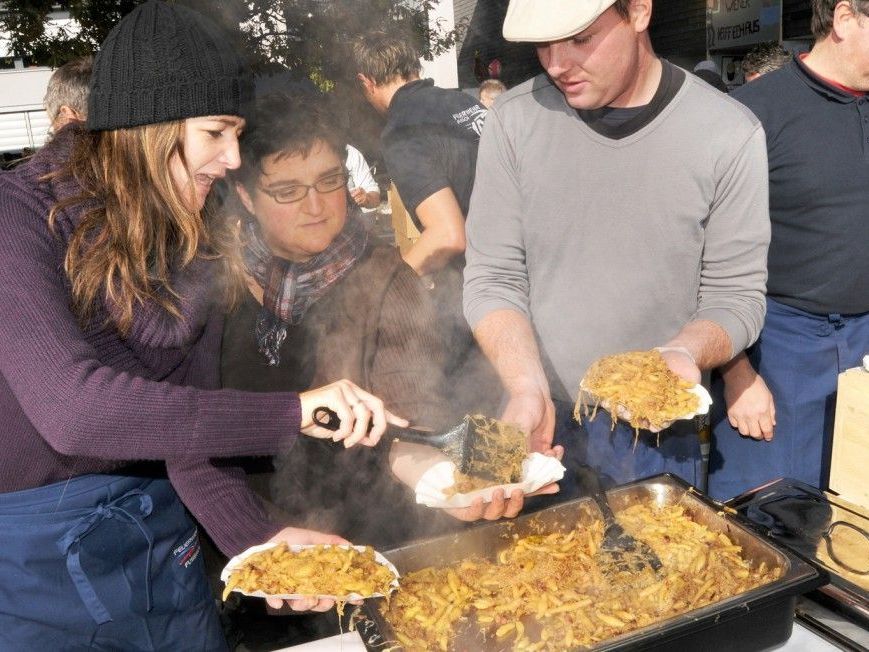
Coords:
338,572
639,387
499,459
443,486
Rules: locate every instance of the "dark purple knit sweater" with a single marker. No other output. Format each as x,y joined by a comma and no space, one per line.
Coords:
74,402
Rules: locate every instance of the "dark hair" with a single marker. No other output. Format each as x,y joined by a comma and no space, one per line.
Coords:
69,86
287,124
823,10
623,7
764,58
383,57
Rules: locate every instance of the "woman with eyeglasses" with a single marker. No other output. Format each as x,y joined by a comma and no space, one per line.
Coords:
326,301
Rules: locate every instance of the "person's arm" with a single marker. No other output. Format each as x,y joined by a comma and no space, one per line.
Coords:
443,234
731,303
221,500
504,338
407,373
497,288
363,187
84,408
412,157
507,340
750,404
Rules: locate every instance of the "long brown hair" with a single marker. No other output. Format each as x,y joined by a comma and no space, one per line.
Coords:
139,229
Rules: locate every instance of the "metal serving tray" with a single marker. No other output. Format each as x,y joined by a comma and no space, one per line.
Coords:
755,620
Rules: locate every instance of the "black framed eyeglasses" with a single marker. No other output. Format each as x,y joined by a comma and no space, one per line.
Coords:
297,192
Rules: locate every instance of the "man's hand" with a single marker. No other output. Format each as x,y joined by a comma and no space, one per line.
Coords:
500,507
364,198
534,413
681,362
750,405
298,536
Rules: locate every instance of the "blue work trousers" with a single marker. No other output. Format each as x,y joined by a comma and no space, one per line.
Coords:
611,452
621,455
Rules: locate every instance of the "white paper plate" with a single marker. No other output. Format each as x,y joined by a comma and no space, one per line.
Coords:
537,470
698,390
237,561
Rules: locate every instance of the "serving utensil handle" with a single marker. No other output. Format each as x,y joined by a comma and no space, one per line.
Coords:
588,477
328,418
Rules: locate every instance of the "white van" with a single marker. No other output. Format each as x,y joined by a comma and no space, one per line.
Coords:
23,121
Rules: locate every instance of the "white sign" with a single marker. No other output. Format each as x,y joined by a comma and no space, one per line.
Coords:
741,23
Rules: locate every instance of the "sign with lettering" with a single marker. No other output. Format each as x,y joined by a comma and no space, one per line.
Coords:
742,23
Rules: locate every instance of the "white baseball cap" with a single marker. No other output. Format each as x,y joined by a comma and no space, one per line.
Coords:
550,20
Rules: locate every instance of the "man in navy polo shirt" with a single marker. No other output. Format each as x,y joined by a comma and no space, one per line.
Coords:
815,112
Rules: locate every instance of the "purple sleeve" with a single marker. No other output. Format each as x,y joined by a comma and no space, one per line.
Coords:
220,498
80,406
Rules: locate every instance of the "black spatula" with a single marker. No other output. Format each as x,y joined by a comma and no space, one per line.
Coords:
618,550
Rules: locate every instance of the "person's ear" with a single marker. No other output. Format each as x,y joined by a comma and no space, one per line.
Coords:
70,113
365,82
640,14
843,18
245,197
65,115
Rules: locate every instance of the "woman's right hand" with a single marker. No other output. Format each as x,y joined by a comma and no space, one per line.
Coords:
292,536
355,407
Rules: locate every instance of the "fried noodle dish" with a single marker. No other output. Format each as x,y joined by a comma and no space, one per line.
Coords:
319,570
548,592
496,457
640,384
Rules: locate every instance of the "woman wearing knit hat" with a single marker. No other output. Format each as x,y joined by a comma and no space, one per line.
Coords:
109,334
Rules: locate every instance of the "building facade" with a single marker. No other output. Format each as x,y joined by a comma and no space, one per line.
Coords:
683,31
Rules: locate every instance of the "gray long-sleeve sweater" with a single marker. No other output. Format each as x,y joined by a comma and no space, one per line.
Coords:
612,245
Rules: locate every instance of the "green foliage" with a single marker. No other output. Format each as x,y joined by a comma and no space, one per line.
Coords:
26,22
306,36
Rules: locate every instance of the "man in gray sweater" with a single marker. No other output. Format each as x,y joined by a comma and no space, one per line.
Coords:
619,204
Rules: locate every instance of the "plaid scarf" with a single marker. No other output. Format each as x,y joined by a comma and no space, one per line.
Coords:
289,289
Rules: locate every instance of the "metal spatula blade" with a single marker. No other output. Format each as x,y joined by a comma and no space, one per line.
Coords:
618,549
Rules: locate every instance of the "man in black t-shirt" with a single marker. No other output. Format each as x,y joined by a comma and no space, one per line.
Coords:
430,148
429,144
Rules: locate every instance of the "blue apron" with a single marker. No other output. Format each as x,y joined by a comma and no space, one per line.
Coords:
103,562
800,356
623,457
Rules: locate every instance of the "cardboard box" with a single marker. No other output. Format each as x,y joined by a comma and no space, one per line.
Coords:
849,463
406,233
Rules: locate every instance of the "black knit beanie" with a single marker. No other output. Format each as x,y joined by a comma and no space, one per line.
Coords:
164,62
